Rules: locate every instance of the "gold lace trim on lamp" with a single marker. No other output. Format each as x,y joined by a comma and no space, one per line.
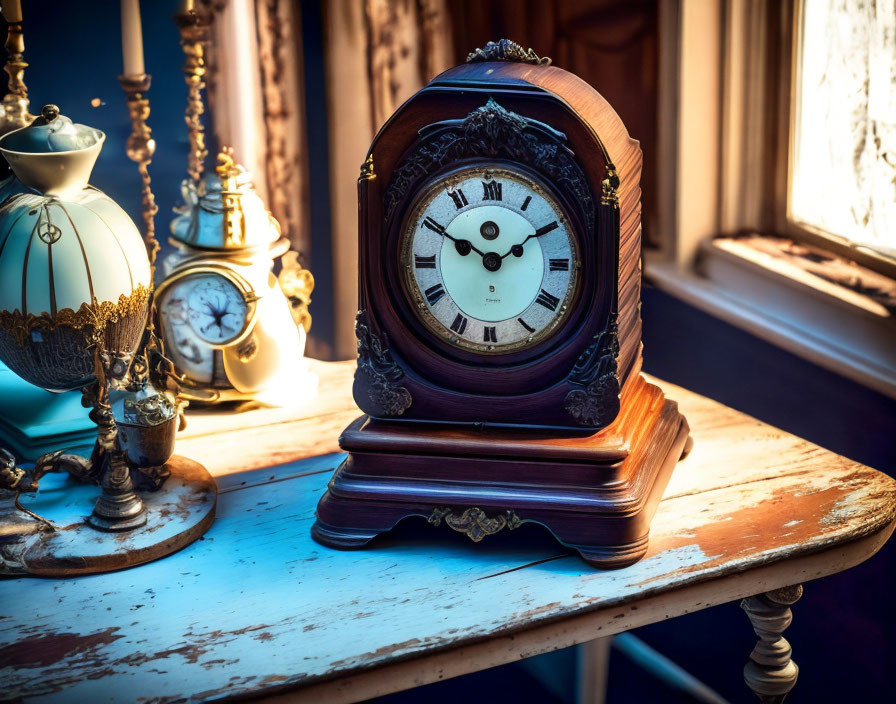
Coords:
89,318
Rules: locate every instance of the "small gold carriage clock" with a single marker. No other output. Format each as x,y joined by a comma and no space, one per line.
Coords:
234,330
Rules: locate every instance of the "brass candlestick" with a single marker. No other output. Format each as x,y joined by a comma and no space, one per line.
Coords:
14,107
193,28
140,148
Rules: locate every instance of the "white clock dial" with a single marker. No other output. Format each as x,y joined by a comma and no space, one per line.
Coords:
489,258
215,308
198,313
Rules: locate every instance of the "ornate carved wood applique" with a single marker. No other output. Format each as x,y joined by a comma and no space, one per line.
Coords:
378,375
493,132
596,370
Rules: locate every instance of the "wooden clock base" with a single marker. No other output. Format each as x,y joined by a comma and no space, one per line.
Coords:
597,494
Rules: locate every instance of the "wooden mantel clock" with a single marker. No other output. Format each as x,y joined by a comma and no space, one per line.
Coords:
499,333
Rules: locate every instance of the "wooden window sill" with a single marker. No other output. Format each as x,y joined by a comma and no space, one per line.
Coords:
848,329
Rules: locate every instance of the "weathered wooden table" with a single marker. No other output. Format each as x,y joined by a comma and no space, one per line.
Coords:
257,608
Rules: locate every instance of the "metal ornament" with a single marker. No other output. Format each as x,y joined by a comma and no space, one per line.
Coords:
506,50
140,149
474,522
194,31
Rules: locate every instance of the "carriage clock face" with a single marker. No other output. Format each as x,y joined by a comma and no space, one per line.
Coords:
200,312
490,263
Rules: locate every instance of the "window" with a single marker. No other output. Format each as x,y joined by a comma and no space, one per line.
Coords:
843,153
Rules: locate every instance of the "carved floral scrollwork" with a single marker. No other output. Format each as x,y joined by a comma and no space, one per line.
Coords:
474,522
507,50
596,402
377,374
492,131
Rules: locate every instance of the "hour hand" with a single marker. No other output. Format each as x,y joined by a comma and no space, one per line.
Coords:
463,247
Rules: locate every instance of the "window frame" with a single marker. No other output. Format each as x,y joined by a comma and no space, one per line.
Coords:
726,84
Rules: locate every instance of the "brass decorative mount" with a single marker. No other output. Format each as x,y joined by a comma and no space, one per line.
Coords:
474,522
610,187
367,172
507,50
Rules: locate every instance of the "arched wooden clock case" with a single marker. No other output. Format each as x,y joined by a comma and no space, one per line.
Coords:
563,431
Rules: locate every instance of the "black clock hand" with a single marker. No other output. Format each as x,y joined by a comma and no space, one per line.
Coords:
517,249
460,245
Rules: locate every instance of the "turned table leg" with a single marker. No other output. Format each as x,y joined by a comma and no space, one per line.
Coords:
770,672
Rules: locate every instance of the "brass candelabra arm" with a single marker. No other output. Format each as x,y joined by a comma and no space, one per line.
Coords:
194,29
140,149
15,103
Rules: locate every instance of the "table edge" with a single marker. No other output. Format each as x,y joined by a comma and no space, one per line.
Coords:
417,669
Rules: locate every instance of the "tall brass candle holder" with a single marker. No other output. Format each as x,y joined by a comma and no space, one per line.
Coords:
140,149
194,32
14,106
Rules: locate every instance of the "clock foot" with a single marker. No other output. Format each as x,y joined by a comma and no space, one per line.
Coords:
613,558
344,538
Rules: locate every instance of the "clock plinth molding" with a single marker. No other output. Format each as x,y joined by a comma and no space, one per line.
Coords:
595,493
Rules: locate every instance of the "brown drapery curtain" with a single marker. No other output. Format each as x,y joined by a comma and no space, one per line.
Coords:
377,53
611,44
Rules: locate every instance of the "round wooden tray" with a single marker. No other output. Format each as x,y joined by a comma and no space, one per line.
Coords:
176,515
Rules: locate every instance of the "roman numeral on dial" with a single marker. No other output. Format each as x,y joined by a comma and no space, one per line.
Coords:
550,227
460,200
434,293
525,325
491,190
421,262
526,202
459,324
433,225
489,335
547,300
558,264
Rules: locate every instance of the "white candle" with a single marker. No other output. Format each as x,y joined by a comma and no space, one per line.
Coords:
132,38
12,10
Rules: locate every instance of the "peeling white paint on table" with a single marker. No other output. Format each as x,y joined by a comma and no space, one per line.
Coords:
258,608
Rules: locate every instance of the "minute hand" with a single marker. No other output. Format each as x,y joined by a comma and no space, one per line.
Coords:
438,229
538,233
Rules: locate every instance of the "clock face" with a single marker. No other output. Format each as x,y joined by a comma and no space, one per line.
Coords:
490,263
199,312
